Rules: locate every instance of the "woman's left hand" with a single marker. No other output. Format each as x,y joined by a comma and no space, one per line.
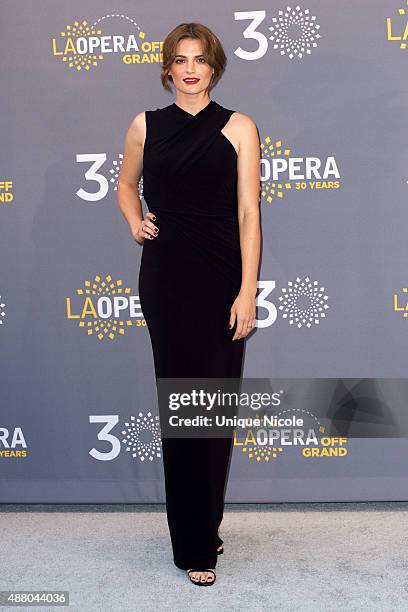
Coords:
243,312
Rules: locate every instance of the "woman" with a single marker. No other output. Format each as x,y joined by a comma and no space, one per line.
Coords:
198,273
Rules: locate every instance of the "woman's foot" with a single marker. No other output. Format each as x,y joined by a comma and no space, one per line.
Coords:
204,577
220,550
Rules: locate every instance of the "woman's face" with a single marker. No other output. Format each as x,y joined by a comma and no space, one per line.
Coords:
190,72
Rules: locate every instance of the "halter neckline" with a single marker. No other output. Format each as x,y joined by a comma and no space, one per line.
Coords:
211,102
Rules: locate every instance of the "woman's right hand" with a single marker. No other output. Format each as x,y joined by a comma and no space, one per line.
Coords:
146,229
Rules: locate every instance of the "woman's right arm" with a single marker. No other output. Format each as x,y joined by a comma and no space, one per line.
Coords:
128,182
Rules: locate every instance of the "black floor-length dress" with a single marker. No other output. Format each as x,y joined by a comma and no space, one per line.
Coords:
190,275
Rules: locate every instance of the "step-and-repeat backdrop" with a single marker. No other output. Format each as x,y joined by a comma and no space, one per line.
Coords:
326,84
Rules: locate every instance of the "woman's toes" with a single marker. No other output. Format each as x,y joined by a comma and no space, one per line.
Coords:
193,576
202,576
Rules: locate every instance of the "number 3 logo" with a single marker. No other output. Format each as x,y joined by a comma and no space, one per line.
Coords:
257,18
266,288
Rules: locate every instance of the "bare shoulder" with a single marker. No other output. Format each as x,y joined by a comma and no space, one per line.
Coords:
243,122
243,126
245,130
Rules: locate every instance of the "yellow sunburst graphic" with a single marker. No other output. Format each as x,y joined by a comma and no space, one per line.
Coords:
103,328
261,453
272,150
82,46
75,60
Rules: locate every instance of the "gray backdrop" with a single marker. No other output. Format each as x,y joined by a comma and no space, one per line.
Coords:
326,84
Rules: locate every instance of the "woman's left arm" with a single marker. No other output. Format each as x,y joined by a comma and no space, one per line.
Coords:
244,308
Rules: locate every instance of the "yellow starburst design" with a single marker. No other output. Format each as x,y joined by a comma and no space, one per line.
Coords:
104,328
79,61
270,150
261,453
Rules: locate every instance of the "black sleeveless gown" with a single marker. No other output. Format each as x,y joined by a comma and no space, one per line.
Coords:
189,277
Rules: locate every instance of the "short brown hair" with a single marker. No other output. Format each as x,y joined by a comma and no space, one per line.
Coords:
212,51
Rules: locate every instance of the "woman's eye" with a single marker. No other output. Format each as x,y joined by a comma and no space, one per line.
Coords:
200,59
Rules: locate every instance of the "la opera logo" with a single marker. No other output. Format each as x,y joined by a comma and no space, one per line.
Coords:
83,46
281,171
105,308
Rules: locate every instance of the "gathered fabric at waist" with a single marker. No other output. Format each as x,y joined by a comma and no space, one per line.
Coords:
204,237
220,210
200,227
